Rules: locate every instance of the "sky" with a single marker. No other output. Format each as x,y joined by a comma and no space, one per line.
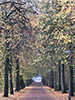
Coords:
37,78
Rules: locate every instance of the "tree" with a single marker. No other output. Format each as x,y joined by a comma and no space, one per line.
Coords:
62,79
55,79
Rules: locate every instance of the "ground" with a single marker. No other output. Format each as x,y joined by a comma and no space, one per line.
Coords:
37,91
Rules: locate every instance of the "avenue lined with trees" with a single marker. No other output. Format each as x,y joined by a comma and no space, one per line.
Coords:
37,37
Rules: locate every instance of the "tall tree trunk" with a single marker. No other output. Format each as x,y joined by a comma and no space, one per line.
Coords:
17,76
6,69
71,92
52,85
11,84
63,79
50,78
46,80
6,77
59,77
22,85
55,82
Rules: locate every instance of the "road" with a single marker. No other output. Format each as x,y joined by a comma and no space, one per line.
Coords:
37,92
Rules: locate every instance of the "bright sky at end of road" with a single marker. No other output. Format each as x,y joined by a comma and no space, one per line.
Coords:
37,79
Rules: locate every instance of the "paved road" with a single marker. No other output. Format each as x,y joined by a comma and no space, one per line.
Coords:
37,92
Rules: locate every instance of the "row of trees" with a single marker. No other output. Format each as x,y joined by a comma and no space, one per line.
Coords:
16,41
57,44
37,43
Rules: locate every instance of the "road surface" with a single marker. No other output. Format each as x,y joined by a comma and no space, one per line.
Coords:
37,92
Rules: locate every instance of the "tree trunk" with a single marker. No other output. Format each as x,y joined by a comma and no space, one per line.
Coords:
59,77
22,85
11,84
63,79
6,77
55,82
44,81
52,85
6,69
17,76
50,78
71,92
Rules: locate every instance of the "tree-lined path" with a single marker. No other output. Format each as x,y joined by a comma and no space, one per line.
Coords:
37,37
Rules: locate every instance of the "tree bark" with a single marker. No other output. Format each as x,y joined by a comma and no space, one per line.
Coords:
17,76
55,82
59,77
52,75
71,92
63,79
44,81
6,69
50,78
11,84
22,85
6,78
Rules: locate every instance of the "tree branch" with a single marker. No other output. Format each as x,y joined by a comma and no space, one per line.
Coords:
12,3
